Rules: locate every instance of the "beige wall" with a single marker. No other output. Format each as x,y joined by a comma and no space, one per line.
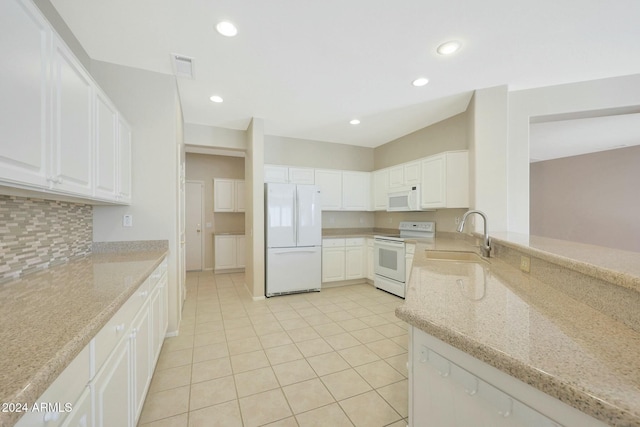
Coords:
592,198
447,135
254,215
204,167
336,219
280,150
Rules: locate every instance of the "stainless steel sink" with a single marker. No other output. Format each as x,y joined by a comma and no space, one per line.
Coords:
457,256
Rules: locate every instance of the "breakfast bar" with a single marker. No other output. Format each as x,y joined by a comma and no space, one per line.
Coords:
525,325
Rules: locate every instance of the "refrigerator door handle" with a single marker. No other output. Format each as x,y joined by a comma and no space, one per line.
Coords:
296,219
285,252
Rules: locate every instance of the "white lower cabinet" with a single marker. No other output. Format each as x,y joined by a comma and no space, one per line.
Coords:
111,389
81,416
449,388
229,252
106,384
354,259
343,259
371,272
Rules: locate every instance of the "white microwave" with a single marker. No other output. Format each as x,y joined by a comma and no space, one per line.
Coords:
405,199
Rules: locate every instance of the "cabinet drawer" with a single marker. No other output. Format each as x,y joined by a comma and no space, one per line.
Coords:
109,336
333,243
66,389
354,241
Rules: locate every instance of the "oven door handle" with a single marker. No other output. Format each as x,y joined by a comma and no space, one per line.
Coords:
389,243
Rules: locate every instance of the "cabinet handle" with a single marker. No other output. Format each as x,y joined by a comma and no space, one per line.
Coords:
143,294
120,327
507,413
51,416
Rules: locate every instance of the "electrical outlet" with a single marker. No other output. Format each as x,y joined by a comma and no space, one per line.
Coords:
127,220
525,264
457,220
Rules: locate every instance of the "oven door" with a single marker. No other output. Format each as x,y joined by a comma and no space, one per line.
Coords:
389,259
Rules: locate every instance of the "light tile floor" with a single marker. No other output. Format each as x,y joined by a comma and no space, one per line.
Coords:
333,358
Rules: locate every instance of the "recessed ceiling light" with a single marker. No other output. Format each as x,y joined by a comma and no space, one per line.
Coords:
216,98
449,47
227,29
420,81
355,122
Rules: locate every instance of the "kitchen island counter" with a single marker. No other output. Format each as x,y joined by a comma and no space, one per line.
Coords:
49,317
529,329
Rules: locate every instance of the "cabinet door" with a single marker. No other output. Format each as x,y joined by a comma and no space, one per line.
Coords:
72,131
333,265
112,391
225,257
354,262
380,189
223,195
81,415
240,247
276,174
301,176
370,264
355,191
106,148
25,43
124,161
433,182
412,175
142,359
396,176
239,196
330,183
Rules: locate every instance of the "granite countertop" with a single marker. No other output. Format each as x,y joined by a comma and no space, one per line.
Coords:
48,317
529,330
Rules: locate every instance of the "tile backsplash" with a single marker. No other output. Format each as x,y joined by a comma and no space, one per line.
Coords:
36,234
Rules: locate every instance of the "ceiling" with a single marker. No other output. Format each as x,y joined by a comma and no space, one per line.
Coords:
309,67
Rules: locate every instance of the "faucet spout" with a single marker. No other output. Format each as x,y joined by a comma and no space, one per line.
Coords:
486,243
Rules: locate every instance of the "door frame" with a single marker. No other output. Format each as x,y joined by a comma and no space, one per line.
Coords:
202,225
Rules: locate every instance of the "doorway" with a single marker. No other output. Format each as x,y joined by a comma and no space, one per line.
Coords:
194,219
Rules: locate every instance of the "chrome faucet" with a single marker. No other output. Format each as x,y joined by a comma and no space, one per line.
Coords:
486,244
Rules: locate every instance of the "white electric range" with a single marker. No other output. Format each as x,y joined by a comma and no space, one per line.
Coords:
389,255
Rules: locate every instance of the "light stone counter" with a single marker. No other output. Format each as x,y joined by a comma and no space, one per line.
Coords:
48,317
529,329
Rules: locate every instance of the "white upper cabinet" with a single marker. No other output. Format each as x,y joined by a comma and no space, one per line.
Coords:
301,176
279,174
25,44
380,189
124,161
356,191
228,195
412,173
72,160
404,175
60,132
106,147
330,183
290,175
445,181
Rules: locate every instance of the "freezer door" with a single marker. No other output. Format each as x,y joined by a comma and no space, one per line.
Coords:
280,207
293,270
309,216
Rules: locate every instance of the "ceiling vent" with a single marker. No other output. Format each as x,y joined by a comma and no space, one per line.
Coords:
182,66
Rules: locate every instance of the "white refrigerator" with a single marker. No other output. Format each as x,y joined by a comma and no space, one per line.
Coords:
293,238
